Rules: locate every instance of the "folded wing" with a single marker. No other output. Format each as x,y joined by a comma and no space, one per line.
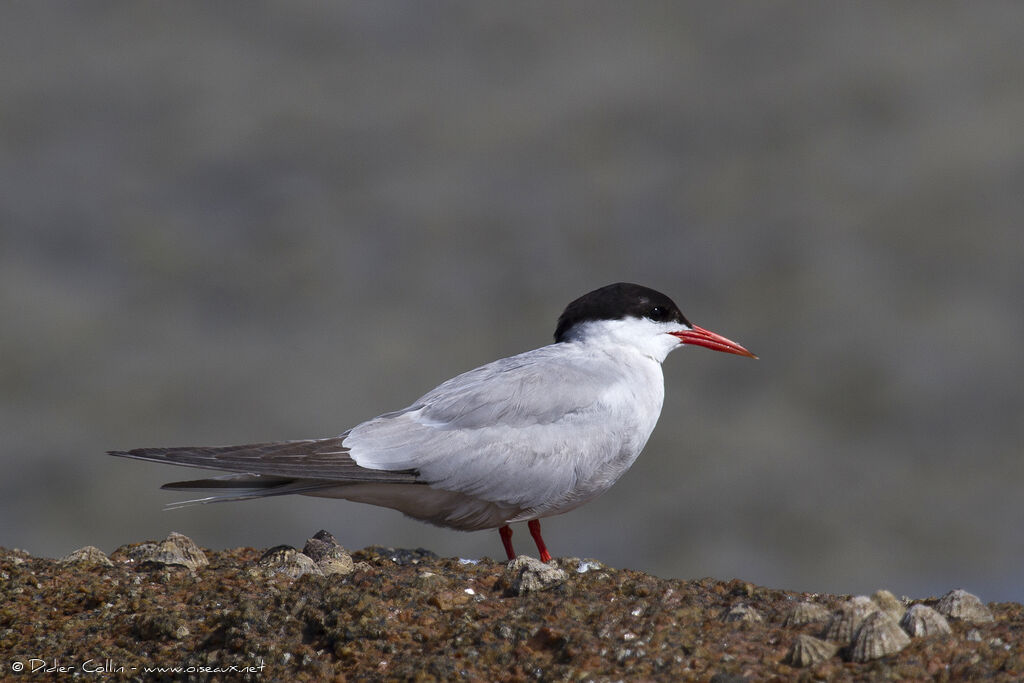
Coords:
307,459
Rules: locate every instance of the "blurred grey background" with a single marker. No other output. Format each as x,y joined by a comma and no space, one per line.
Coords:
234,222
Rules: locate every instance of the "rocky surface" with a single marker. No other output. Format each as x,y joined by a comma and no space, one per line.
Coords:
169,610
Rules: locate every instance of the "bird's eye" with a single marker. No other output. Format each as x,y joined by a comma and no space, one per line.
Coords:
658,314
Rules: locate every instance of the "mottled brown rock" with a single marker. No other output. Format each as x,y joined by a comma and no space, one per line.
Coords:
160,626
409,615
743,613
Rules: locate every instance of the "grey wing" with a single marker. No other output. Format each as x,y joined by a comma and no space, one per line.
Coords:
306,459
512,432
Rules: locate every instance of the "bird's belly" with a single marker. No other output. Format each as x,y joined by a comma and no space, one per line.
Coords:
597,469
428,504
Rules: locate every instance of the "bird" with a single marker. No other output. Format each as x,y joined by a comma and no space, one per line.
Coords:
516,440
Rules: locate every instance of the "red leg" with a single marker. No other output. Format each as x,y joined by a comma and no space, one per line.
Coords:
534,525
506,540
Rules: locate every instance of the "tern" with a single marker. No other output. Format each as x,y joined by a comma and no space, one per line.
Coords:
525,437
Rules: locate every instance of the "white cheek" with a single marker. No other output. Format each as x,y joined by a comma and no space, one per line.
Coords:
651,339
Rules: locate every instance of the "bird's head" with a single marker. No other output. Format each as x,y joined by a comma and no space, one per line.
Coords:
638,316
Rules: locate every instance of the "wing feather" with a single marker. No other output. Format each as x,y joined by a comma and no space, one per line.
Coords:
522,431
307,459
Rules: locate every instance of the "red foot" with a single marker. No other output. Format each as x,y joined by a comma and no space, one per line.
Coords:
506,540
534,526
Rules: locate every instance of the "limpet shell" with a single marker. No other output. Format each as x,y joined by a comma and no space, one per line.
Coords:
743,613
806,613
848,618
286,560
878,636
959,604
888,603
808,651
176,550
923,621
323,548
90,554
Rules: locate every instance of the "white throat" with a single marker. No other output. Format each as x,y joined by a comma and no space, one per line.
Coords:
649,338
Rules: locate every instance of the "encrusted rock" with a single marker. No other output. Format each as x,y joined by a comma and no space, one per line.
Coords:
529,575
587,565
14,555
959,604
806,613
449,600
401,556
808,651
284,559
328,554
923,621
888,603
176,550
160,626
878,636
90,554
848,618
743,613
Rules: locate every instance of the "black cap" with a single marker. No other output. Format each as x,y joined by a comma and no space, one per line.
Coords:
617,302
